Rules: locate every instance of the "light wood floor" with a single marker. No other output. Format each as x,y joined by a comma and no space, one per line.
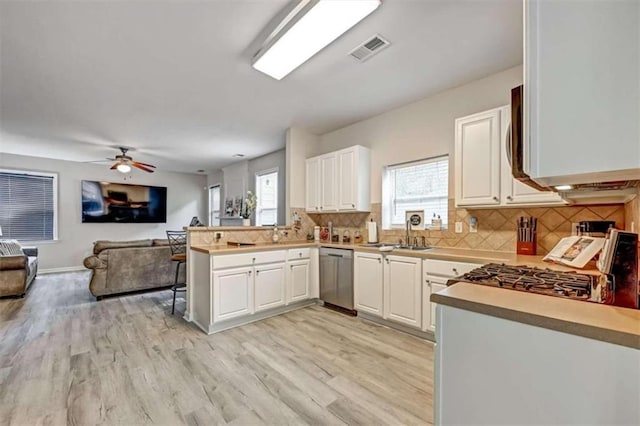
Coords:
67,359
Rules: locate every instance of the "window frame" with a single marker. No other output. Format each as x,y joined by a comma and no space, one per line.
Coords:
388,195
55,194
257,192
210,210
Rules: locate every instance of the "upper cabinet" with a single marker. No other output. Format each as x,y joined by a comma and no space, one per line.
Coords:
482,168
339,181
582,91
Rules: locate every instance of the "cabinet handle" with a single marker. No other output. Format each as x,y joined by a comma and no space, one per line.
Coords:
428,282
257,272
254,260
509,197
379,260
249,273
455,271
495,198
353,205
321,208
387,261
300,254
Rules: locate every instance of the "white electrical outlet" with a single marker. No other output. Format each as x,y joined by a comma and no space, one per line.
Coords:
574,228
473,224
458,227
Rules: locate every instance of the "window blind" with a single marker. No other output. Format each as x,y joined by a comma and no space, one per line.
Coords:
267,198
422,185
27,206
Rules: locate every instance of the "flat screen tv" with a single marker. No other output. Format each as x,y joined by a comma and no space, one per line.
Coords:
123,203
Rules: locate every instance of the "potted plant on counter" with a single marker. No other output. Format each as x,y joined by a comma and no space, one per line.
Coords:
248,207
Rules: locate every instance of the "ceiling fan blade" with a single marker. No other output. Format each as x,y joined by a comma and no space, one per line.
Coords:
114,166
145,164
141,167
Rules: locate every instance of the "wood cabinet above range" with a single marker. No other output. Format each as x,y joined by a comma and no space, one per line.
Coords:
339,181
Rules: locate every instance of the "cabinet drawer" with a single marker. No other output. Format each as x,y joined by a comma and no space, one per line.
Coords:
301,253
247,259
446,268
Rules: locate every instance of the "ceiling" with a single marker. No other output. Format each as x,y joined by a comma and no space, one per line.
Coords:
173,79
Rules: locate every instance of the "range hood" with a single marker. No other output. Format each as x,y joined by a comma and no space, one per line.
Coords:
599,193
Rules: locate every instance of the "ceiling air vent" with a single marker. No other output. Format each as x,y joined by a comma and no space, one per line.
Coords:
369,48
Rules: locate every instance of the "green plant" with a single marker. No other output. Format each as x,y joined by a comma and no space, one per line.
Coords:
249,205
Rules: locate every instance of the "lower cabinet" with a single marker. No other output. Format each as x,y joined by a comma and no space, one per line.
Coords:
403,290
298,280
269,286
436,275
232,293
368,283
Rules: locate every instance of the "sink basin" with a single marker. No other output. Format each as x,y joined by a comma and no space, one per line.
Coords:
372,245
413,248
236,244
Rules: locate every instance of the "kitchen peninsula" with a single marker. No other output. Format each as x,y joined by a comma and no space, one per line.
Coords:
514,357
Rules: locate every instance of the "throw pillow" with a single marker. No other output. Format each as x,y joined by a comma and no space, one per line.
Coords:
10,248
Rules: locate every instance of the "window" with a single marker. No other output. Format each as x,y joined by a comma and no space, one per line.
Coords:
214,205
267,194
28,204
419,185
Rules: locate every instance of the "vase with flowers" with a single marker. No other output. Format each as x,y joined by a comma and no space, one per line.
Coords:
248,207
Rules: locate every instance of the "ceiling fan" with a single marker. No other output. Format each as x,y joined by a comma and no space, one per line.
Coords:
123,163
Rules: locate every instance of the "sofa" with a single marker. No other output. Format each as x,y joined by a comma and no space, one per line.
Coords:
127,266
18,269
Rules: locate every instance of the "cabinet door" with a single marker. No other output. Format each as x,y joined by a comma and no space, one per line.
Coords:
513,192
232,293
298,280
434,285
403,290
269,286
328,190
312,185
347,178
367,285
477,159
582,97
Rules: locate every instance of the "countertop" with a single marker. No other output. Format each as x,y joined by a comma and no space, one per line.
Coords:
438,253
620,326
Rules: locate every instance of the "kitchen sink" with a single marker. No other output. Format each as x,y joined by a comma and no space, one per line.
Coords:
373,245
412,248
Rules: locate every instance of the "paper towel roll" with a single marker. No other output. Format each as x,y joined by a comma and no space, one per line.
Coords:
372,231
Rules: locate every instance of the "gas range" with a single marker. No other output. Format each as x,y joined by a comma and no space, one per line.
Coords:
570,285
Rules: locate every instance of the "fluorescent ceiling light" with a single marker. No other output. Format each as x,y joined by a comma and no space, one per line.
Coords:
563,187
123,168
324,22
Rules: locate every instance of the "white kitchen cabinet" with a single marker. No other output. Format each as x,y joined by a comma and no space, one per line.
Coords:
328,183
403,290
312,185
477,159
354,179
436,275
581,91
483,171
339,181
269,286
298,280
232,293
368,283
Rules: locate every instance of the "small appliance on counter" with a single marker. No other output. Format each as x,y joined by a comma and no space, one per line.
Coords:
595,228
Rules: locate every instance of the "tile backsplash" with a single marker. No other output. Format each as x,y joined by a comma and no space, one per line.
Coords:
496,227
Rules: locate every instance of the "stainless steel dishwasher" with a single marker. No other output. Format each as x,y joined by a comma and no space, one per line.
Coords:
336,279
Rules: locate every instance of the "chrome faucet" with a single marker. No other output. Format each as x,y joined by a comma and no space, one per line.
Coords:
407,233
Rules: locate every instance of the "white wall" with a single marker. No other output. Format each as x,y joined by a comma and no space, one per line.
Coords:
186,198
300,145
418,130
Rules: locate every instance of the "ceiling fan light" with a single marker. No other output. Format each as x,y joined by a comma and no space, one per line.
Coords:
323,23
123,168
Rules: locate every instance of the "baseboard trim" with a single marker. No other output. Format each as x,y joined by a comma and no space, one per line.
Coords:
427,335
58,270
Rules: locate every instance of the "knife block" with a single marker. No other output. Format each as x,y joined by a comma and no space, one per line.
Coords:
528,248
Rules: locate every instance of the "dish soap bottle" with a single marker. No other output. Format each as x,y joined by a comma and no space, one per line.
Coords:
276,235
